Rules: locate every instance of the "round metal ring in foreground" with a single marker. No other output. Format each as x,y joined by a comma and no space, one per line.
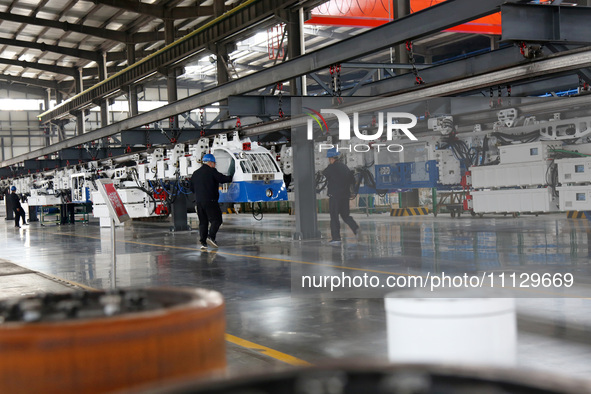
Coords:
105,341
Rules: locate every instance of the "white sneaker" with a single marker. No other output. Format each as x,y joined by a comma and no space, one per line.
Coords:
212,243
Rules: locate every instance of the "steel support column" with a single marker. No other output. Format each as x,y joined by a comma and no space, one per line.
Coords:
302,148
179,213
221,52
294,48
104,103
171,87
46,128
223,73
132,89
304,181
79,85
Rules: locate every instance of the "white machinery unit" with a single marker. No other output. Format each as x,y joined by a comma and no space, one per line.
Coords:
449,167
137,203
514,200
575,170
442,124
40,197
81,188
286,159
509,175
575,198
531,152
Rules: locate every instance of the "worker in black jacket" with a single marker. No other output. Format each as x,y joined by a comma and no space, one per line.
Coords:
339,179
19,212
205,183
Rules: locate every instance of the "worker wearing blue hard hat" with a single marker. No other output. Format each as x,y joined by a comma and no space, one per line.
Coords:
208,158
339,179
18,210
205,183
332,152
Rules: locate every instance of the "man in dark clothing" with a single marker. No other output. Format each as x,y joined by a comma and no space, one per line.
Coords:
205,183
19,212
338,178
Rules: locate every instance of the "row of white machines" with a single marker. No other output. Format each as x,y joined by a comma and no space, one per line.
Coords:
534,177
149,182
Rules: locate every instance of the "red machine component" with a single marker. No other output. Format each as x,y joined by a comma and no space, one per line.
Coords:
466,181
160,195
161,210
246,146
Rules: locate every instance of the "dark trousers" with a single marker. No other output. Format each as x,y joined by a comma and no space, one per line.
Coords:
209,213
340,206
18,213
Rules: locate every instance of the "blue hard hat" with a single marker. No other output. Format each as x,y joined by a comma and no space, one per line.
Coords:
13,188
332,152
208,157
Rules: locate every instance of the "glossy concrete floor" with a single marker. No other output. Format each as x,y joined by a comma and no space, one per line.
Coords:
258,268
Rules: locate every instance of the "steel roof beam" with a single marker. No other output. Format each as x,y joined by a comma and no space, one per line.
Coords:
94,71
122,55
42,83
29,89
79,53
158,11
112,35
138,7
41,66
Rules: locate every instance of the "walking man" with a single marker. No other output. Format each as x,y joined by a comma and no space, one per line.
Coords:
339,179
205,183
19,212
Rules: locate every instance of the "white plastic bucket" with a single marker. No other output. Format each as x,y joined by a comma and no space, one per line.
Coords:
451,330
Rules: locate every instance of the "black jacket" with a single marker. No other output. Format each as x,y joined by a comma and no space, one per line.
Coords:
14,200
205,183
339,178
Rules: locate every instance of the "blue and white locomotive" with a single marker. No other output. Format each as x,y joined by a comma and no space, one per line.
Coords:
256,173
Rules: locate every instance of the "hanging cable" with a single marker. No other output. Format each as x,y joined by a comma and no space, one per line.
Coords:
338,83
280,101
509,95
331,84
411,59
257,215
320,181
202,122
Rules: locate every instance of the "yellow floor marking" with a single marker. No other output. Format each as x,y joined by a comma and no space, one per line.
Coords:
286,358
57,278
